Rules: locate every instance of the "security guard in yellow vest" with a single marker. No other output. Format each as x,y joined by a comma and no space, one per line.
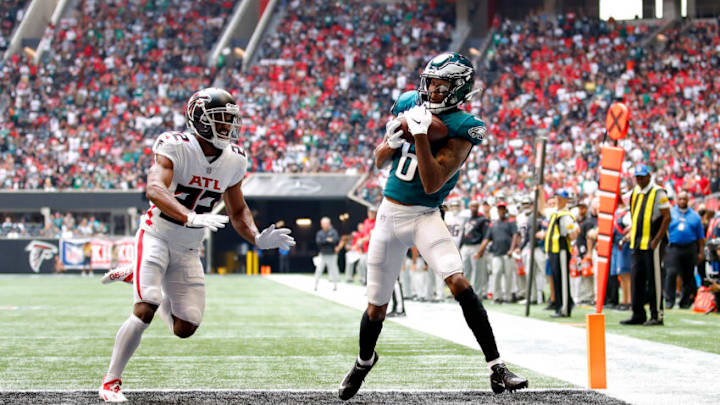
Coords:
562,230
650,214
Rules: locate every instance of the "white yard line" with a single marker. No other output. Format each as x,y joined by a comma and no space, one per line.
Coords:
252,390
639,371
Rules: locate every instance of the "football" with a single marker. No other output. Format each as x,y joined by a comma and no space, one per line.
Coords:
437,130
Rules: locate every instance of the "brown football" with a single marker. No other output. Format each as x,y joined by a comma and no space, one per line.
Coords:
436,132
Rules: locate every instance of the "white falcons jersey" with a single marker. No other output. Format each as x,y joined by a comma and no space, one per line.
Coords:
456,225
198,184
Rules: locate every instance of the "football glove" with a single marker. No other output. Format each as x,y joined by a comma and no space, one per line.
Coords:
210,221
393,133
418,119
271,238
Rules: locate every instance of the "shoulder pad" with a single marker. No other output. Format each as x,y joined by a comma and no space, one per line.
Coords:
240,162
238,150
466,126
169,144
173,137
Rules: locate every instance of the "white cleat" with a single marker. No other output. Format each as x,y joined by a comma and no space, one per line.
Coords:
110,391
122,273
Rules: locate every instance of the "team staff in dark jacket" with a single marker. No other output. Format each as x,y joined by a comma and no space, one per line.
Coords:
536,295
475,266
584,284
505,237
327,242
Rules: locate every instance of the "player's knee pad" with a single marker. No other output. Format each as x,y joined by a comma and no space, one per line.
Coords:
152,295
148,281
452,264
189,314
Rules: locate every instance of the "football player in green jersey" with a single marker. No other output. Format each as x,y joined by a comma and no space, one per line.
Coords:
421,176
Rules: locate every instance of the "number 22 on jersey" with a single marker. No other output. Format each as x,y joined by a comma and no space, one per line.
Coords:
407,165
195,199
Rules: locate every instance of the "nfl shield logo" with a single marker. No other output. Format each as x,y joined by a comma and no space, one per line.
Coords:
208,170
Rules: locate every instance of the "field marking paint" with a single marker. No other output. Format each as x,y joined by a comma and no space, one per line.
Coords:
244,391
639,371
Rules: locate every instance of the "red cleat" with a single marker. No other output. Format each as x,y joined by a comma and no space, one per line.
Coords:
123,273
110,391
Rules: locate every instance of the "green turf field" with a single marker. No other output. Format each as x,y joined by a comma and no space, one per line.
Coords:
683,327
57,332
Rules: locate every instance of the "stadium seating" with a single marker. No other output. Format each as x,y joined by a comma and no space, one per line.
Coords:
317,97
562,76
11,13
60,225
118,74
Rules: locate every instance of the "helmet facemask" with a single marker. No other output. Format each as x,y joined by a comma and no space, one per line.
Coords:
219,125
455,69
225,123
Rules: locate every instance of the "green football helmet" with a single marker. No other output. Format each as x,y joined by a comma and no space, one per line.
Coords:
456,69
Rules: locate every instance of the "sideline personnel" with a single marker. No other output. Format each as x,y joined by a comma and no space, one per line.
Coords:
685,250
650,213
560,232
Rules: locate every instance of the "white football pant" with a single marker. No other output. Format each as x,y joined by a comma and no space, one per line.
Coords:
163,268
398,227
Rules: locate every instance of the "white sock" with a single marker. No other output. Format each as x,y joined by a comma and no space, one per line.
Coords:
126,341
164,311
365,362
494,362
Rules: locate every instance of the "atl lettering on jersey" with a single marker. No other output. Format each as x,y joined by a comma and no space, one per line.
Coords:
196,192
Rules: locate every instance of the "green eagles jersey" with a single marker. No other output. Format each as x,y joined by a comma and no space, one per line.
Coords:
404,183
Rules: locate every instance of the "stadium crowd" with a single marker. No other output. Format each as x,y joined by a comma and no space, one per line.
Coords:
60,225
320,94
118,73
561,76
11,13
316,100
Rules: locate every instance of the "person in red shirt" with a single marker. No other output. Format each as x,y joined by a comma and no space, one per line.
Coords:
353,255
368,225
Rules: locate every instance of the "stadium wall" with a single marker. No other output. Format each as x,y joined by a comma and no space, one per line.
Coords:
27,256
227,246
75,200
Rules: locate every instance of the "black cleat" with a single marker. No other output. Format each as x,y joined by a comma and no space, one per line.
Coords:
395,314
503,379
632,321
653,322
350,385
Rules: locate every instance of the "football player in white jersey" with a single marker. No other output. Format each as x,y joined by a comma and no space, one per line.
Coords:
192,171
455,221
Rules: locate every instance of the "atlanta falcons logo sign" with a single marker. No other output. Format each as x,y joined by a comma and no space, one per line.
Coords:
39,251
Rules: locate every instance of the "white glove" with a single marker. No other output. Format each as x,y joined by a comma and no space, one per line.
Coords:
393,133
418,119
271,238
210,221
